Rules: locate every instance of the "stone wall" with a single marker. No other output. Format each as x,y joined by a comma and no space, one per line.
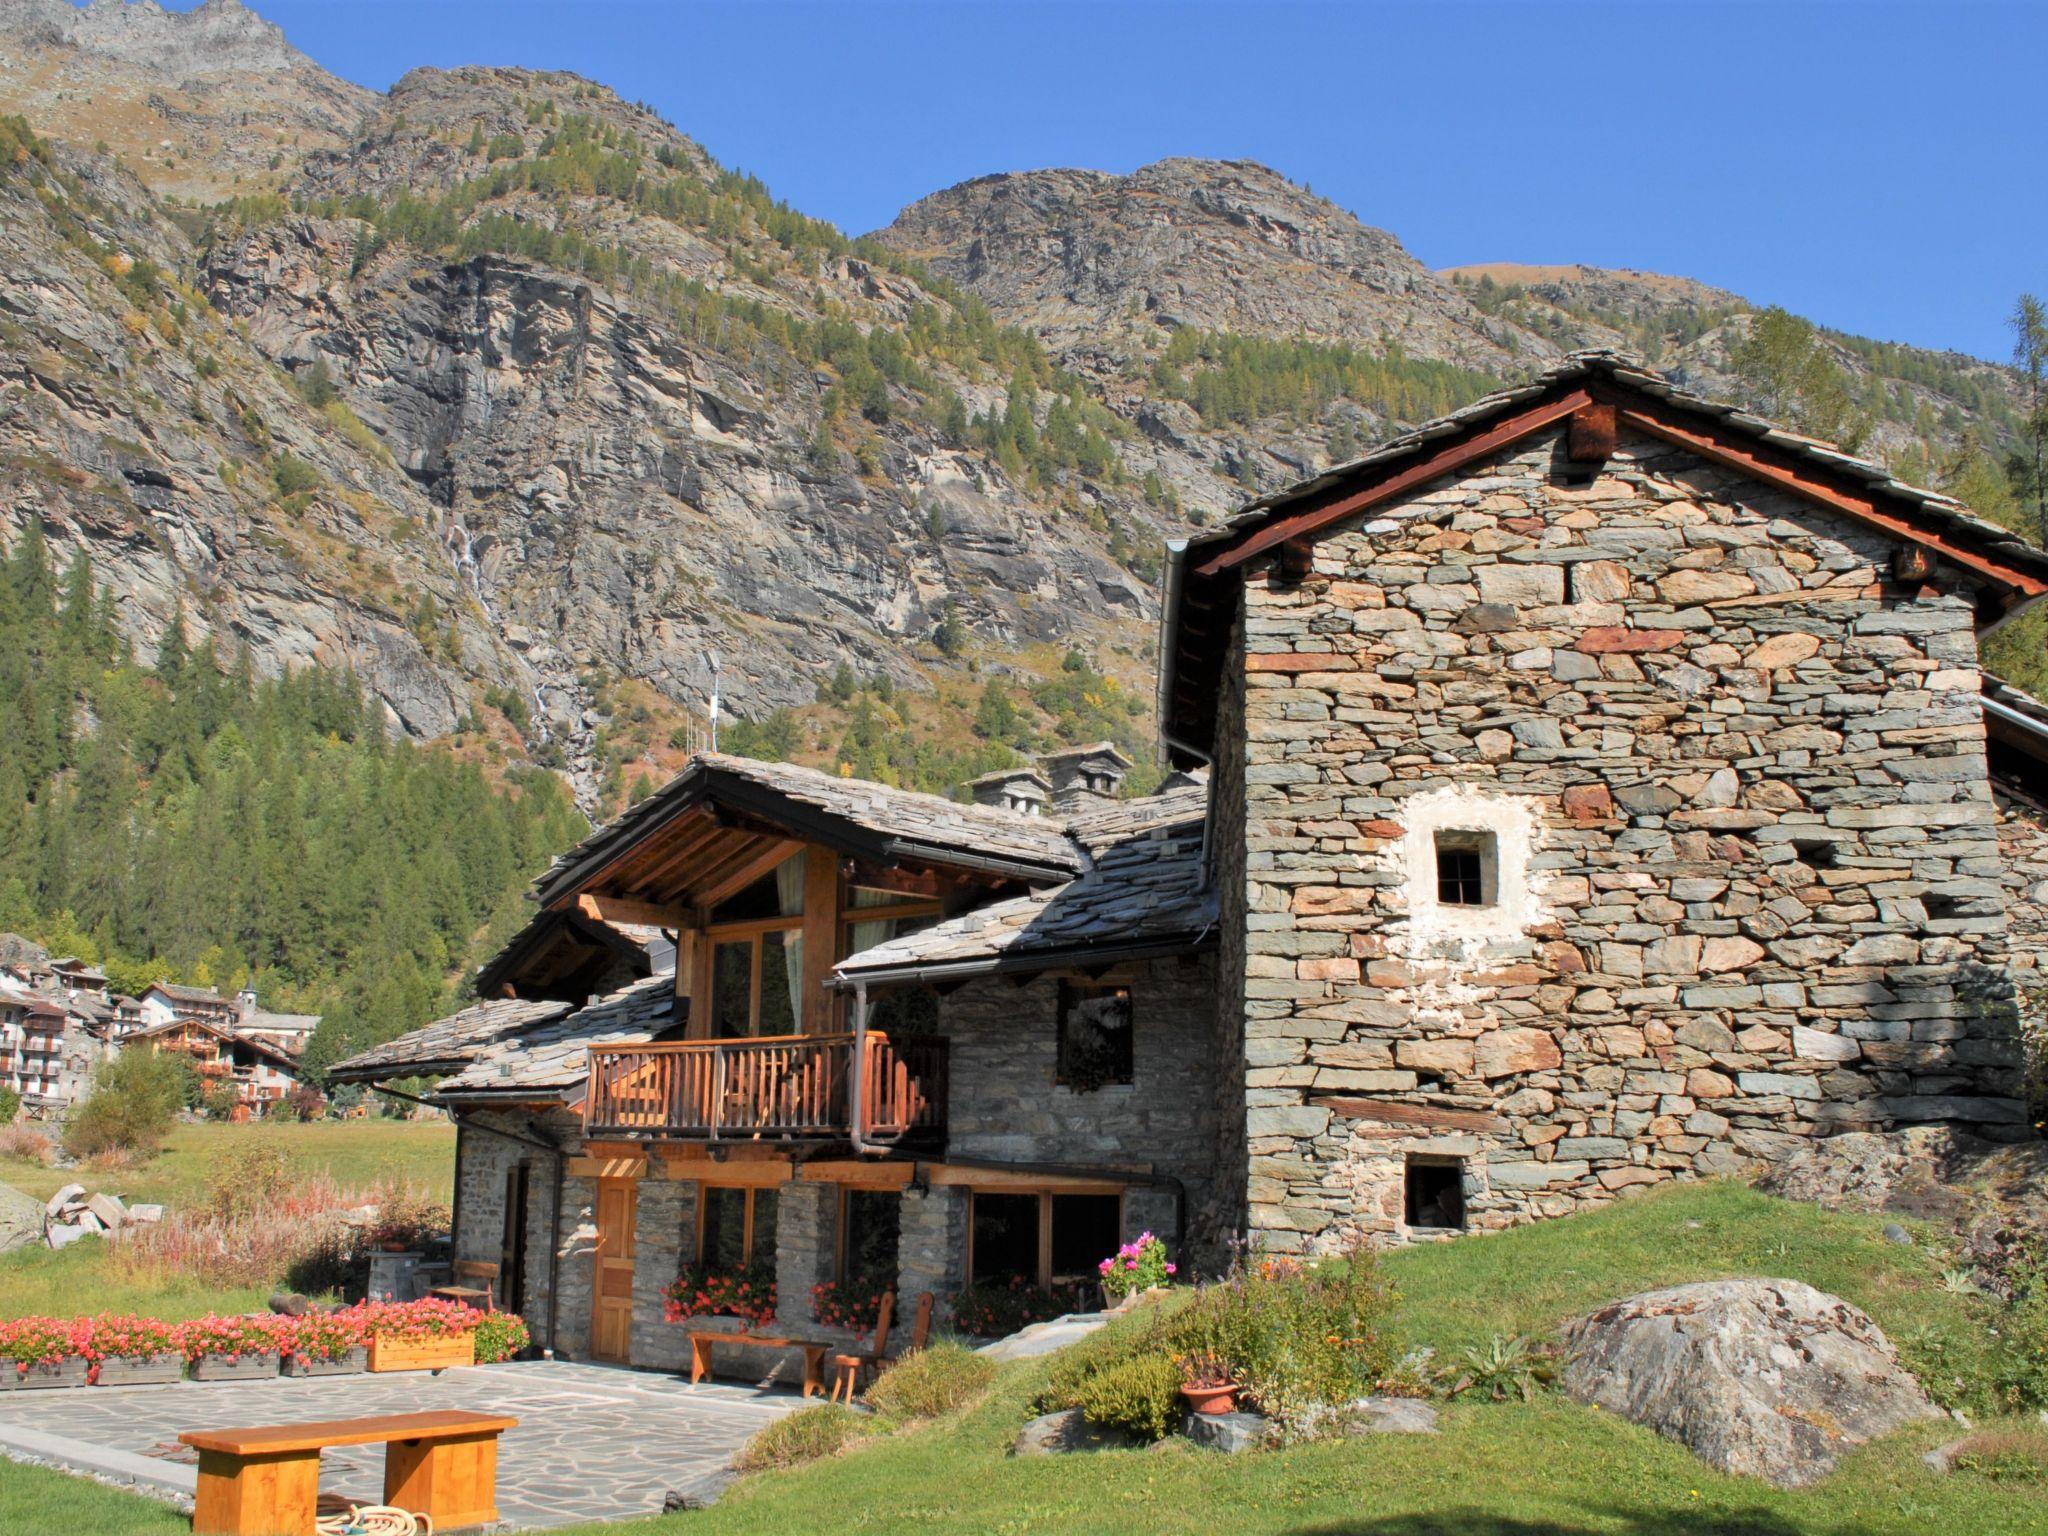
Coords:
482,1163
1745,882
1003,1104
2023,857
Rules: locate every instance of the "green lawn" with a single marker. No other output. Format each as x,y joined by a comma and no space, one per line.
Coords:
72,1280
1550,1468
350,1151
35,1502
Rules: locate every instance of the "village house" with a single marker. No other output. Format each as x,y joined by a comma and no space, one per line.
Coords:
256,1074
1592,788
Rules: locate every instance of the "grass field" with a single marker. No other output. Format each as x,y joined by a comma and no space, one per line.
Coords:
354,1153
349,1151
1550,1468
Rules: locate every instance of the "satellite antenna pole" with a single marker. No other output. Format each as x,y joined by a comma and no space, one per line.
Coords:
711,657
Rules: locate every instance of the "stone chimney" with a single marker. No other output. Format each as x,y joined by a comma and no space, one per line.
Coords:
1023,790
245,1001
1085,777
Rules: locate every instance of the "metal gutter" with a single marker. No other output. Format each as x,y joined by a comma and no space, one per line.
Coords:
2032,724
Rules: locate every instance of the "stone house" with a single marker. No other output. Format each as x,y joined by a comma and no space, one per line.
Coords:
259,1073
1592,788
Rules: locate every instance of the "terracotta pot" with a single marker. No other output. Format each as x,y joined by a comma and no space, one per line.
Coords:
1211,1400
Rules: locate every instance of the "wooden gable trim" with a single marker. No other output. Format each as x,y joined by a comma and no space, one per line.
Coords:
1790,473
1335,507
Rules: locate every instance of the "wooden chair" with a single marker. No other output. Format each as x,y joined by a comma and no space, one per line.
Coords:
483,1296
846,1368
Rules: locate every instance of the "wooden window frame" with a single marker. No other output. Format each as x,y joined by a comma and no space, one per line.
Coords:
1069,989
747,1233
1044,1194
846,1193
751,934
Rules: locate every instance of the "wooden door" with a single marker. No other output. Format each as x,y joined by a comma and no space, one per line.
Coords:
611,1281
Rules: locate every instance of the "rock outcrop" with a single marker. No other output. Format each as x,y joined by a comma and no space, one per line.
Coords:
1766,1378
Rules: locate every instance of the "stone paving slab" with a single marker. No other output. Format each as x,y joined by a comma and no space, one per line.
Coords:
593,1442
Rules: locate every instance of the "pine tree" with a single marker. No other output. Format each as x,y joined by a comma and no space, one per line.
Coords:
2030,356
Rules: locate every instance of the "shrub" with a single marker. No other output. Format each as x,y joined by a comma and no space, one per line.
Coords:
806,1435
409,1218
500,1336
699,1291
992,1309
1137,1266
21,1141
1140,1396
2020,1375
10,1106
291,1230
1502,1368
2015,1455
134,1098
930,1383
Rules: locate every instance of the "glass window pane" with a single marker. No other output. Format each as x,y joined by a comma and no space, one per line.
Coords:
732,967
780,952
767,1203
1006,1237
1084,1233
724,1219
873,1226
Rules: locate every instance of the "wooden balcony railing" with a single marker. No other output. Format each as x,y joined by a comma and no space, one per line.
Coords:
779,1087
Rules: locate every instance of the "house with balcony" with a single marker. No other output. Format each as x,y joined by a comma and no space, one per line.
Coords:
1595,787
256,1073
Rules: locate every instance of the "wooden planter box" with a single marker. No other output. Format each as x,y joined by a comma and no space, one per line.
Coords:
141,1370
391,1353
349,1364
65,1373
234,1367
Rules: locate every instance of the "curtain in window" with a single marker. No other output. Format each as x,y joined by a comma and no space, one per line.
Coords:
789,894
868,935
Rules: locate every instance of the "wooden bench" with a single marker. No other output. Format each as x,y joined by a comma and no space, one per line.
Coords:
701,1345
265,1481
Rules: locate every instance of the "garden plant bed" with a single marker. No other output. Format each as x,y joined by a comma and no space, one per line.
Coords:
140,1370
58,1373
234,1367
350,1364
390,1352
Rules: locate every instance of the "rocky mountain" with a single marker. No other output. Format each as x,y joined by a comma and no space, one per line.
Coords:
501,391
200,103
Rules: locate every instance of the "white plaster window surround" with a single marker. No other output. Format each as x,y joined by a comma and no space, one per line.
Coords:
1505,828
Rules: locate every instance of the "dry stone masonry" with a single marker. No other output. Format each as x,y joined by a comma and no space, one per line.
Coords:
1720,790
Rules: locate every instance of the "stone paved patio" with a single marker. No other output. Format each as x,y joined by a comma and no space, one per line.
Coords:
593,1443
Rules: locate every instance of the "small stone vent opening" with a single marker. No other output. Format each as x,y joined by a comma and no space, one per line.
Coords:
1435,1191
1815,853
1467,868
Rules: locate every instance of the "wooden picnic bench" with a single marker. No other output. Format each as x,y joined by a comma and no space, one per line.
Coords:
265,1481
701,1345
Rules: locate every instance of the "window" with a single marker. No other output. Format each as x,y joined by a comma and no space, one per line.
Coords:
1094,1037
873,916
1435,1193
756,942
735,1226
1465,869
870,1228
1048,1238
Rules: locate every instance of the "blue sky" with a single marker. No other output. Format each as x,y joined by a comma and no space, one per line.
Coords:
1875,167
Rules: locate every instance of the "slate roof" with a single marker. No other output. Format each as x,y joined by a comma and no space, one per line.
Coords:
546,1058
1144,891
893,823
447,1044
277,1053
204,996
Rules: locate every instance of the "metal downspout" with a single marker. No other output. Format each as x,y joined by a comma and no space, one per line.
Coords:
860,1064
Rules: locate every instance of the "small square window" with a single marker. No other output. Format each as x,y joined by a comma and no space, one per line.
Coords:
1435,1191
1465,869
1095,1036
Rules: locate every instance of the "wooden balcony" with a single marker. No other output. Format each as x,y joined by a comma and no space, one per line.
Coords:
769,1088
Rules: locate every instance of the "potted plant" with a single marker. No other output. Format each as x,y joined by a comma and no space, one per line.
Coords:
230,1348
133,1351
1207,1382
42,1352
855,1305
323,1343
430,1334
1134,1271
698,1291
500,1336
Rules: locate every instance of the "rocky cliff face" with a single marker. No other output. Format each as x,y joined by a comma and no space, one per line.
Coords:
201,103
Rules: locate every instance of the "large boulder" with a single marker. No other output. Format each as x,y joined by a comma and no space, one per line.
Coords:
1769,1378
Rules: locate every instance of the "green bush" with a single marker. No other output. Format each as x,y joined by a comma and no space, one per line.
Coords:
1140,1396
500,1336
2020,1376
930,1383
133,1101
806,1435
10,1105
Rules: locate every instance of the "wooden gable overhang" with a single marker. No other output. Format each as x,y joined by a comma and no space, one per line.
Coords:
1596,397
555,956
